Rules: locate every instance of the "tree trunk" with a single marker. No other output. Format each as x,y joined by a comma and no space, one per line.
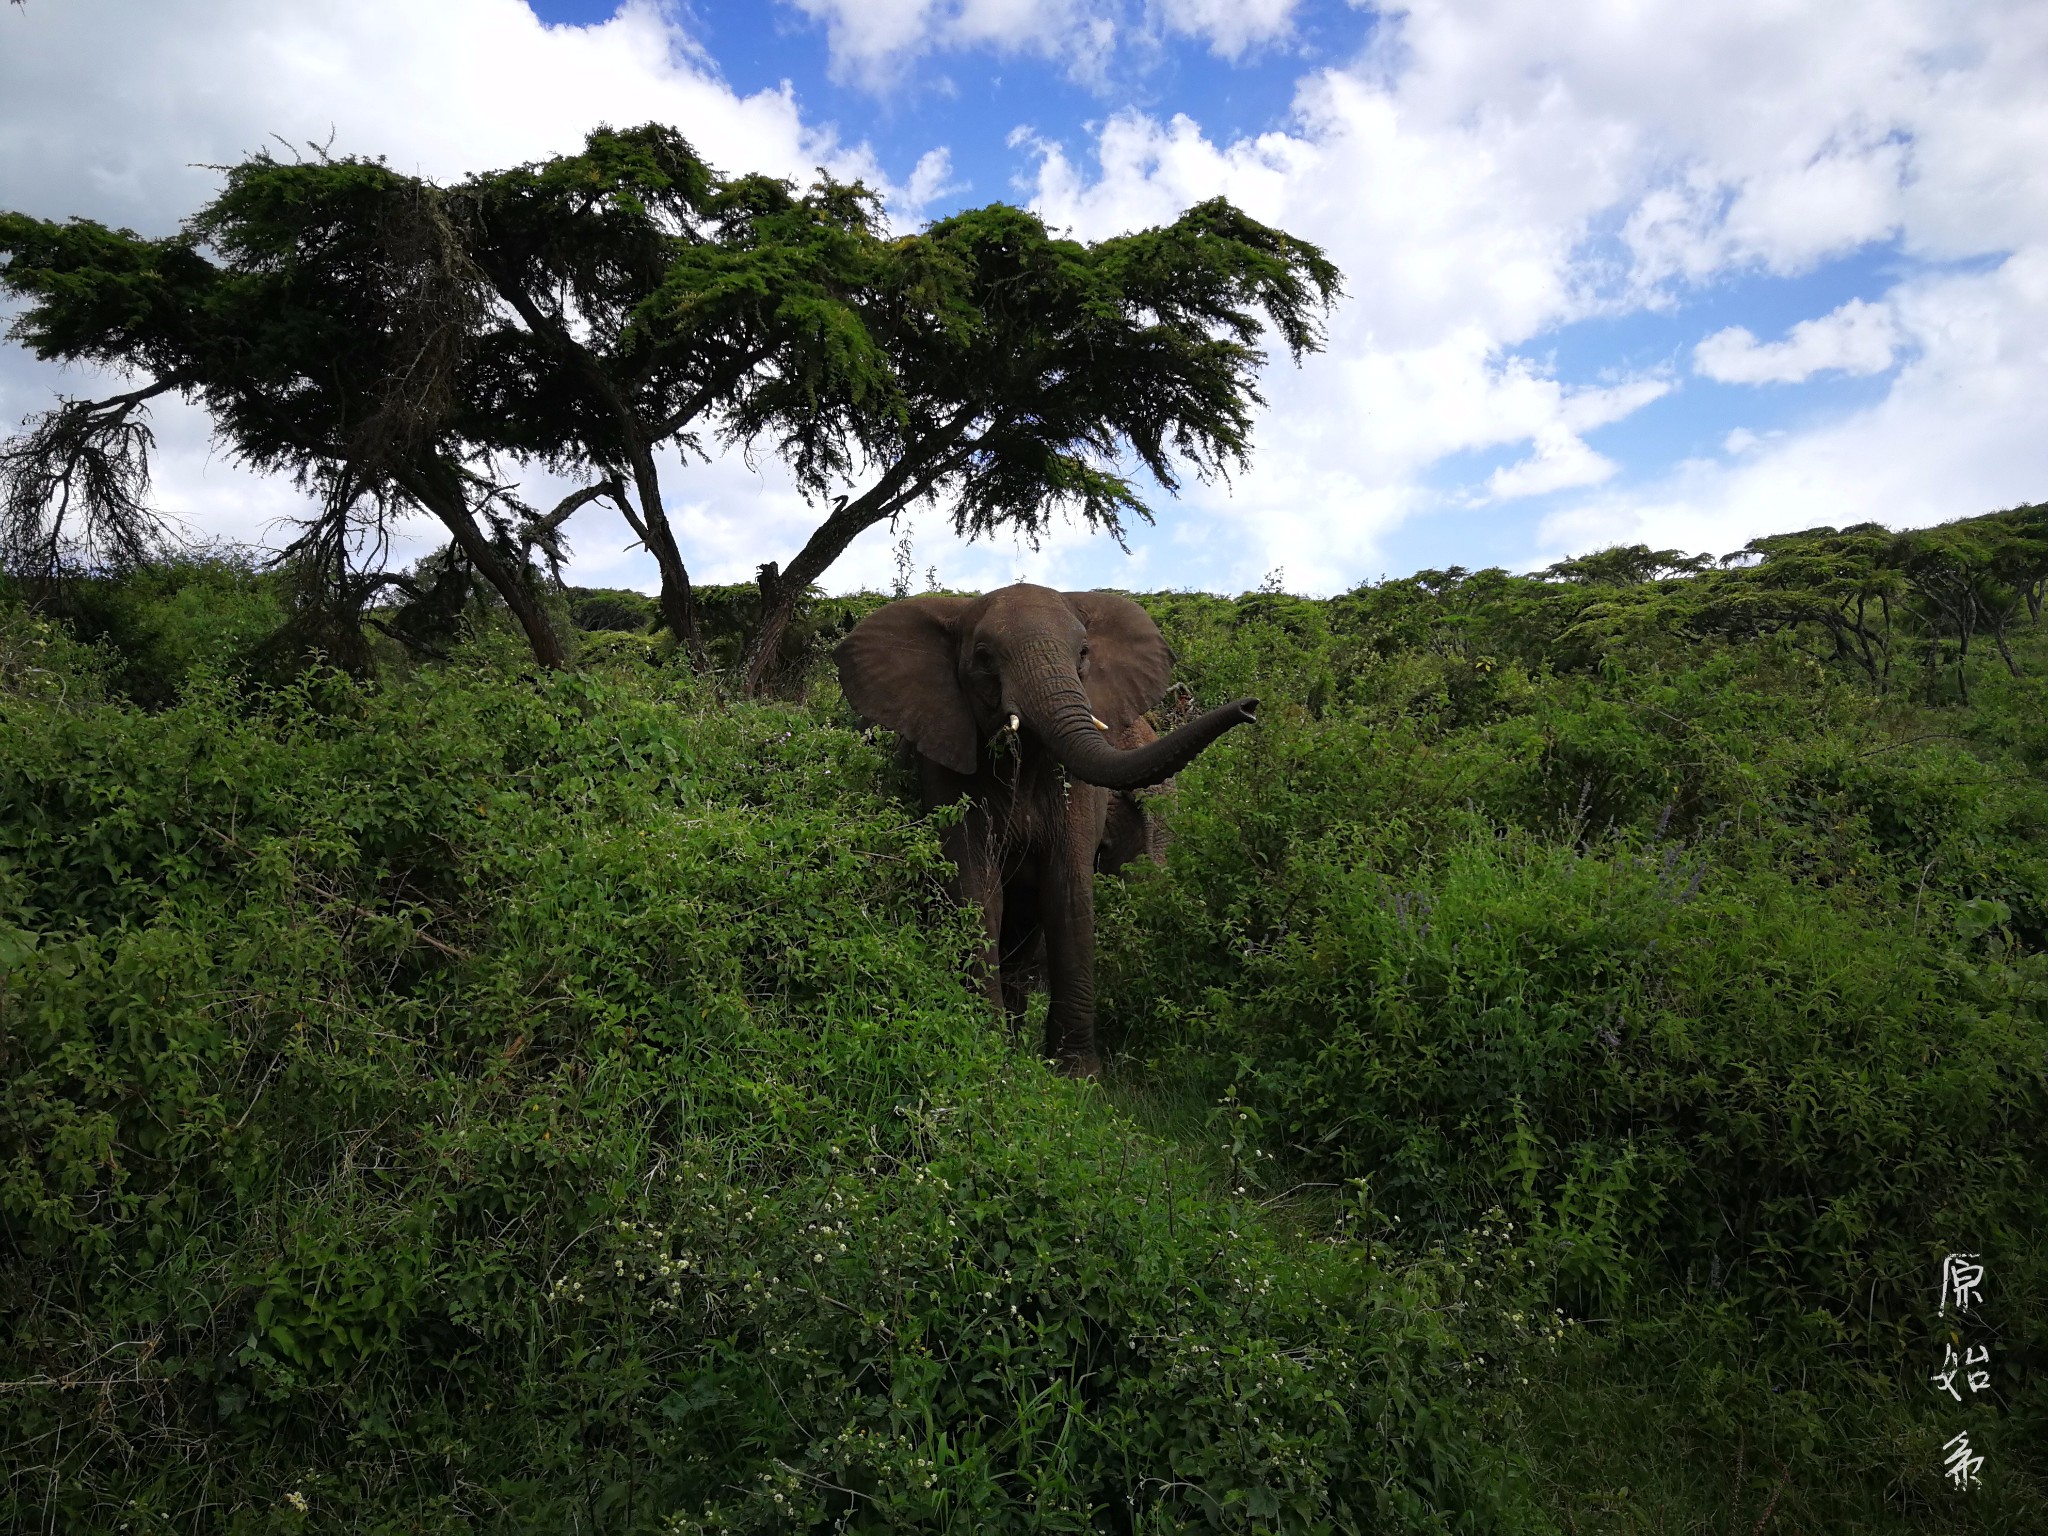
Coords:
764,647
780,592
2005,650
678,602
909,478
483,556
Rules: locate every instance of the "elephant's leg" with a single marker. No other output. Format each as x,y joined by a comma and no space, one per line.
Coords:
1066,901
1130,831
1021,950
978,882
1126,836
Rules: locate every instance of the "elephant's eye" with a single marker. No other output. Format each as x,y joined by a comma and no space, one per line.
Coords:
1081,664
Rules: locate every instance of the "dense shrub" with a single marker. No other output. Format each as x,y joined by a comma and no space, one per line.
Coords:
1722,984
1573,1024
515,1104
162,625
610,608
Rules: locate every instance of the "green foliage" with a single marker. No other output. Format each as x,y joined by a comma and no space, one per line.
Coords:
731,618
172,621
1572,1027
607,608
41,660
482,1103
1715,973
394,343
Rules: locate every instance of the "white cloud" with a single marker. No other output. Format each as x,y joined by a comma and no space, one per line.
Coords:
1561,462
872,41
1489,172
930,179
115,110
1232,28
1858,338
1958,432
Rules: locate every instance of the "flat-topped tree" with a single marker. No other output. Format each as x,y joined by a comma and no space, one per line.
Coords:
391,343
1028,372
386,340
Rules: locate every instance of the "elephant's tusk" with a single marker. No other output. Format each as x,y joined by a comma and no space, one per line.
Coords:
1013,724
1100,725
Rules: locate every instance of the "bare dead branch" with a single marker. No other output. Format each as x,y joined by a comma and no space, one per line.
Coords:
74,486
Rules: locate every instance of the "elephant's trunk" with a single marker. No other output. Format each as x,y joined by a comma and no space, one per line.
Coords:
1053,702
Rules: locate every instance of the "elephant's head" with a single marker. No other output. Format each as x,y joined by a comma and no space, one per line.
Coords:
950,674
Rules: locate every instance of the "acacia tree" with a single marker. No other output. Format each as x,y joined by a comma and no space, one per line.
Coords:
390,342
1026,371
387,341
642,299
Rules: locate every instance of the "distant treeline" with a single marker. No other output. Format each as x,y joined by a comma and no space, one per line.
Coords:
1914,610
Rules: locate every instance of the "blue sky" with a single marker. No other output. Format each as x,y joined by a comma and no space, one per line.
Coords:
1618,270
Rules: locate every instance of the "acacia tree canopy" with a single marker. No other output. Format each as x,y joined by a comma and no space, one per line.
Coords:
390,343
1029,371
641,300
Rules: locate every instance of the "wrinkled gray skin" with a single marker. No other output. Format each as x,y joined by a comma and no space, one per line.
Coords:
1050,799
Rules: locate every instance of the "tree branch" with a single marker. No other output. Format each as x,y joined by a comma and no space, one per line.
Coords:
85,455
721,382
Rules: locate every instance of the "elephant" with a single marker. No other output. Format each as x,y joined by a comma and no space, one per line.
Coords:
1030,703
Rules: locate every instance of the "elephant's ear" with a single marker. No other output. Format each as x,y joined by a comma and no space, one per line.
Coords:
1129,663
897,669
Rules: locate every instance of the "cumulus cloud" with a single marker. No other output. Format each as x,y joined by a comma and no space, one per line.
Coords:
1958,432
1488,174
1858,338
1561,462
116,110
872,41
930,179
1232,28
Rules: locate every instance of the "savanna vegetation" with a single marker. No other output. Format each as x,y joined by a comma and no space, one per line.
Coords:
1561,1044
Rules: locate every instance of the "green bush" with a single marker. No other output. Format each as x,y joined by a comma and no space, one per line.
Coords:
1666,1071
210,612
485,1103
1573,1025
610,608
1722,984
